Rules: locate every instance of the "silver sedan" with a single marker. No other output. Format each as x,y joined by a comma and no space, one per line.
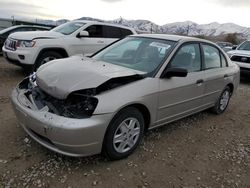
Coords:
82,106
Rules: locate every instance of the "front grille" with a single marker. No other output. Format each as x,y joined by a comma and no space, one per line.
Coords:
242,59
10,44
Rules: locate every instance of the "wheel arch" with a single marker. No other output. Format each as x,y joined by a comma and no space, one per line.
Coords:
231,86
143,109
61,51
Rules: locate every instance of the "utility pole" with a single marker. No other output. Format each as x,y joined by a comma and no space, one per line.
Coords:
188,29
13,19
120,21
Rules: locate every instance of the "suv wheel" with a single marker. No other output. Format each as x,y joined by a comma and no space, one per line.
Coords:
45,58
124,134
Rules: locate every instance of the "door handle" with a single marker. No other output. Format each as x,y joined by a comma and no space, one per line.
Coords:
199,82
100,41
226,76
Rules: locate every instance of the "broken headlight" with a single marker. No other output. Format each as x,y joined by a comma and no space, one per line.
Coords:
79,106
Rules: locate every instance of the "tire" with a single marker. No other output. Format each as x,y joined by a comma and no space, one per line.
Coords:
121,137
223,101
46,57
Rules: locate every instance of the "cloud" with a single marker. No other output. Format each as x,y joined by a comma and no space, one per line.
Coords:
233,3
112,1
11,8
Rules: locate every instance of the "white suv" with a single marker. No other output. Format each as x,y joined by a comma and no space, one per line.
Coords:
241,56
32,49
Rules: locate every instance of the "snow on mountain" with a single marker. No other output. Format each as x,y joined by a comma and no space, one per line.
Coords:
186,28
183,28
139,25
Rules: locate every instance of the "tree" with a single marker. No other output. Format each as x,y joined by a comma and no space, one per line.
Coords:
232,38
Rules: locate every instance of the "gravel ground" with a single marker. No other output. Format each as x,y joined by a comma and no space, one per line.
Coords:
203,150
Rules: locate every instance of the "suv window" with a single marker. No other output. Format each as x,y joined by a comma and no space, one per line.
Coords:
211,57
126,32
187,57
115,32
105,31
112,32
95,31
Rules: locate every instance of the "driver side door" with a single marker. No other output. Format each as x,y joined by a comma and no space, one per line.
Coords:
182,96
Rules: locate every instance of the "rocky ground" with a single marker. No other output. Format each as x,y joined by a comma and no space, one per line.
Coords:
204,150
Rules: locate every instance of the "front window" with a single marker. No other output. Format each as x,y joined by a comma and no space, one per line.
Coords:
138,53
245,46
188,57
68,28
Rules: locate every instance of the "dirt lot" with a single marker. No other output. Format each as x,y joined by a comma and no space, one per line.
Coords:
204,150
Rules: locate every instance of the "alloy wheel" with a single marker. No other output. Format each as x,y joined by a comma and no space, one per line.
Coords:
126,135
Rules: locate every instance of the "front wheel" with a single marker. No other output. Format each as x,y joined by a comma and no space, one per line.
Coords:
124,134
45,58
222,103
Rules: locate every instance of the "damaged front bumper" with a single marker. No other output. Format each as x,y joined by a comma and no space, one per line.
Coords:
68,136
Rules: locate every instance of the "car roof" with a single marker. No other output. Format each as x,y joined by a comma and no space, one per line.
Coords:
175,38
21,26
36,26
104,23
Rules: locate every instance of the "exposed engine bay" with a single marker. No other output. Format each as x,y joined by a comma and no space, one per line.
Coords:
78,104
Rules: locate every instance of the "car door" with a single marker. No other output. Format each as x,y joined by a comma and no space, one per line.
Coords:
215,73
111,34
96,39
181,96
89,44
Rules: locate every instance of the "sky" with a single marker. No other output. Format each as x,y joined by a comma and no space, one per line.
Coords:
158,11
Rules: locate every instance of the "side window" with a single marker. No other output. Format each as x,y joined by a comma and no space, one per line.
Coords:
111,32
188,57
95,31
211,57
125,32
223,60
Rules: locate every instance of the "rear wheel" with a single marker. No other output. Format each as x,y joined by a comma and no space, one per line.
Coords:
124,134
222,103
45,58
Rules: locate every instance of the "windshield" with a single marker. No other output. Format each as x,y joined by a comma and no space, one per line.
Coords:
68,28
245,46
138,53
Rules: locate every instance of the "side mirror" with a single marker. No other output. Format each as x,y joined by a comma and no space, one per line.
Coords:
83,34
174,72
234,47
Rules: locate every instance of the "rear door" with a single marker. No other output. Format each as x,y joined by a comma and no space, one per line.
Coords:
215,69
179,96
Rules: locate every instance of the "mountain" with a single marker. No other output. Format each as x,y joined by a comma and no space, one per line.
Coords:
212,29
186,28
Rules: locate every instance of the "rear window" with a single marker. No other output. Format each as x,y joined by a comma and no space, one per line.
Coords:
95,31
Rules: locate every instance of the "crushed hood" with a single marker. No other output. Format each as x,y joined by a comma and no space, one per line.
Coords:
31,35
61,77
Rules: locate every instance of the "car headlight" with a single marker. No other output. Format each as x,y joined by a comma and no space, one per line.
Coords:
79,106
25,43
